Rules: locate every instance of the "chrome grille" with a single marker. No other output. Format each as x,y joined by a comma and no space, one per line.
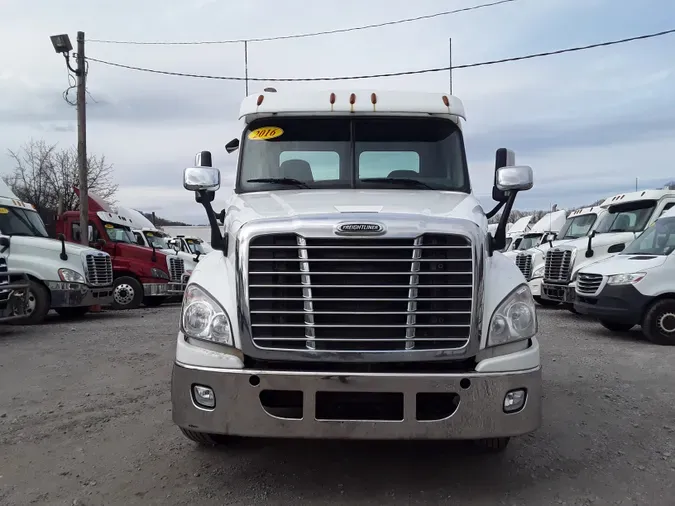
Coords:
176,268
348,294
524,263
558,265
588,283
99,270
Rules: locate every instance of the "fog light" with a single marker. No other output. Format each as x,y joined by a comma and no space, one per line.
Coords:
514,400
204,396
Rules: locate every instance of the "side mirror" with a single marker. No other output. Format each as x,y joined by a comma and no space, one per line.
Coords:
201,179
232,146
101,243
174,244
4,241
503,158
90,234
514,178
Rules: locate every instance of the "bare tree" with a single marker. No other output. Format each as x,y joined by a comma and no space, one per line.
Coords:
43,174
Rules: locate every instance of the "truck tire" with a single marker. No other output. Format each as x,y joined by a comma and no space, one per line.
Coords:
154,301
658,325
493,444
72,312
545,302
616,326
39,301
127,293
204,438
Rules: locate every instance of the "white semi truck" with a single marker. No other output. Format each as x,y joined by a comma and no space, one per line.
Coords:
356,291
515,233
636,286
580,223
628,214
66,277
545,230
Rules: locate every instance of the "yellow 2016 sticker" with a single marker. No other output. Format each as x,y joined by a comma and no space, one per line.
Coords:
108,225
265,133
150,234
4,210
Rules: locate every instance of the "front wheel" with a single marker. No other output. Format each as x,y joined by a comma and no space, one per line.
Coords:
127,293
545,302
154,301
659,323
493,444
39,301
616,326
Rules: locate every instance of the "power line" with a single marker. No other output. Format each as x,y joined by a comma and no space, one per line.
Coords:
310,34
390,74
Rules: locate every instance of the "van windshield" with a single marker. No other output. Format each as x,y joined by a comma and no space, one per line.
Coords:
579,226
352,152
659,239
21,221
630,220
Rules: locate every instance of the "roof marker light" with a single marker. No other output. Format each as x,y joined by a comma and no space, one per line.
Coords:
352,100
332,98
446,101
260,99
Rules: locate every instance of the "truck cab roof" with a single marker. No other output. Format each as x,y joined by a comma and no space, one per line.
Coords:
351,101
624,198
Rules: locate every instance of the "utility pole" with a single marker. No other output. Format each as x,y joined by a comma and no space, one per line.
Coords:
246,64
82,139
450,69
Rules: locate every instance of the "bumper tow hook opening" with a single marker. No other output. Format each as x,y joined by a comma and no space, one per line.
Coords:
465,383
254,380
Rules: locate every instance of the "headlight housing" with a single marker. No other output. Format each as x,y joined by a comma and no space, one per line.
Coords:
538,272
203,318
71,276
514,319
158,273
626,279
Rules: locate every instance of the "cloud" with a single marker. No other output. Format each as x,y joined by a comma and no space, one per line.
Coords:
587,122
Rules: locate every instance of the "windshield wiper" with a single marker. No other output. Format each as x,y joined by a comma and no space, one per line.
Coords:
289,181
398,180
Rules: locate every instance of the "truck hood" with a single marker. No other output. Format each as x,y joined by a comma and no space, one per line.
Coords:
600,240
624,264
297,203
47,244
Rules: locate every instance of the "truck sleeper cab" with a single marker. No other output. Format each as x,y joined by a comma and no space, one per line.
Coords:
580,223
356,283
68,278
636,286
627,216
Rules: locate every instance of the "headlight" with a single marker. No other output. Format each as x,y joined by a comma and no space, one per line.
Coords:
203,318
626,279
158,273
538,272
71,276
515,318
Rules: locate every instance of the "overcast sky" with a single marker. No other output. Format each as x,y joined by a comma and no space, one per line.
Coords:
588,123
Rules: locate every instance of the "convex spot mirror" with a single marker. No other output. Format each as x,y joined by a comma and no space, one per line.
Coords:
514,178
201,179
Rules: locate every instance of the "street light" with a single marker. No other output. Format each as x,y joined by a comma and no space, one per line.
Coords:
61,43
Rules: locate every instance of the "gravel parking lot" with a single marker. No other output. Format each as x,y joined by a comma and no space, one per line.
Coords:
85,419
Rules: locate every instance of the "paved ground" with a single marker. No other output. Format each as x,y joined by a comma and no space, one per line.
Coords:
85,419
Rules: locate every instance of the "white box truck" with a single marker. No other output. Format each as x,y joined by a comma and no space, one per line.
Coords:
356,291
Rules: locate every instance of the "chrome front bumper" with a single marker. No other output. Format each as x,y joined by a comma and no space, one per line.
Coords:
78,295
239,410
155,289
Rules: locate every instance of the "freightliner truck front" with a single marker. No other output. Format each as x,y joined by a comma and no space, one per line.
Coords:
356,292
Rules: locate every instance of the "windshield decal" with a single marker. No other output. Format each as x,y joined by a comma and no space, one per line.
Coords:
4,210
265,133
108,225
150,234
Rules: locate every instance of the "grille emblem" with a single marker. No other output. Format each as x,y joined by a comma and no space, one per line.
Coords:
359,229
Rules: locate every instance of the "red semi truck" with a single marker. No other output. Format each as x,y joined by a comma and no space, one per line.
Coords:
140,274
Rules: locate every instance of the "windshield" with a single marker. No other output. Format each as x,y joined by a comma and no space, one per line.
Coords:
508,243
195,246
158,239
576,227
319,152
119,233
21,221
529,241
658,239
633,220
